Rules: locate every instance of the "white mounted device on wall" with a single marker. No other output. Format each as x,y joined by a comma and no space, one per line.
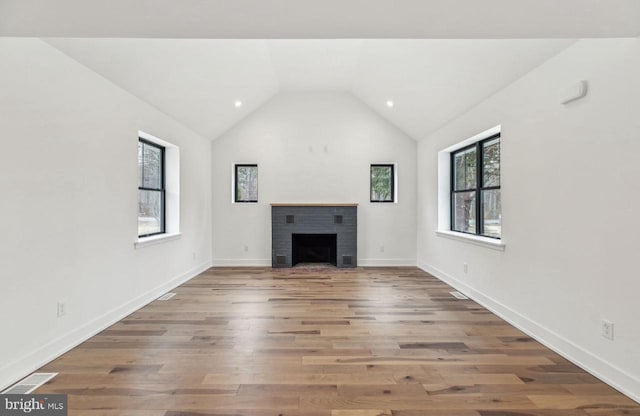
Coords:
574,92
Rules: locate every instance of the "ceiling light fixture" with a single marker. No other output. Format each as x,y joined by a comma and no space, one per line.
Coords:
237,103
389,103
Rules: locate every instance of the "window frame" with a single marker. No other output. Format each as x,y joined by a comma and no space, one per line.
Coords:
235,182
162,189
393,182
479,185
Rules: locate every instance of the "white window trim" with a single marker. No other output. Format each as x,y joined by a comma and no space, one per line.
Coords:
172,194
473,239
156,239
395,183
444,195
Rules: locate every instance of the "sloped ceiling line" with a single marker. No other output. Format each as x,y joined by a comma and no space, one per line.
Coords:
197,81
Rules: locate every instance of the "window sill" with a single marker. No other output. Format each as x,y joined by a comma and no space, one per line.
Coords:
155,239
491,243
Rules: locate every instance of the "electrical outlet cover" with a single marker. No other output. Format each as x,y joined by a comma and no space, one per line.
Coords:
61,309
607,329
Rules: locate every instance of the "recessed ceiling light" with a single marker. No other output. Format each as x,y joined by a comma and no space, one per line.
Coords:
389,103
237,103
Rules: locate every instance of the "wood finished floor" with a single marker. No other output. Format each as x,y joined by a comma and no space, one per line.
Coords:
371,342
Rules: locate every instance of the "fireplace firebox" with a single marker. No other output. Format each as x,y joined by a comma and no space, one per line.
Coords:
313,248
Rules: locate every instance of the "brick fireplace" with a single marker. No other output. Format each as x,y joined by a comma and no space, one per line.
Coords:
310,233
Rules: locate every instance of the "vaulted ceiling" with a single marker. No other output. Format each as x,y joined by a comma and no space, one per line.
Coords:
193,59
198,81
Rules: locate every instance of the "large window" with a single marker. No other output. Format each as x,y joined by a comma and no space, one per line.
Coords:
246,183
151,188
475,188
382,183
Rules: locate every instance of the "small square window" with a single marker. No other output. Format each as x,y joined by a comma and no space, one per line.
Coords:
246,183
382,183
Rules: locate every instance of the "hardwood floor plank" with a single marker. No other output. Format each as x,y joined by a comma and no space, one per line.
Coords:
249,412
410,403
572,401
179,402
384,390
358,342
301,378
361,412
287,390
613,412
482,379
575,412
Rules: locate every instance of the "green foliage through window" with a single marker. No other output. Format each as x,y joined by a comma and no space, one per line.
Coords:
382,183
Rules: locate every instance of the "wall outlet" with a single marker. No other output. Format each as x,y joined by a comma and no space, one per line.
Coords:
194,255
62,309
246,248
607,329
381,249
465,267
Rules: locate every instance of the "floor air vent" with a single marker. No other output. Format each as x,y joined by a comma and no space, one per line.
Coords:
458,295
167,296
30,383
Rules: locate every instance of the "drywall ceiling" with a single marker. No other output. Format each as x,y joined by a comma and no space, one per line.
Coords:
268,19
433,81
193,58
308,65
197,81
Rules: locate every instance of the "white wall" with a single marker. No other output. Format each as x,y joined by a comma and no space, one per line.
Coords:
570,208
287,138
68,186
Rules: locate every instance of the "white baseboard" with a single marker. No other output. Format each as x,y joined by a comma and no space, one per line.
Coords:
616,377
267,262
241,263
386,262
22,367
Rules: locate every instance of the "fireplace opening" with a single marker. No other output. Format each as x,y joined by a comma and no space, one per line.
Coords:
314,248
